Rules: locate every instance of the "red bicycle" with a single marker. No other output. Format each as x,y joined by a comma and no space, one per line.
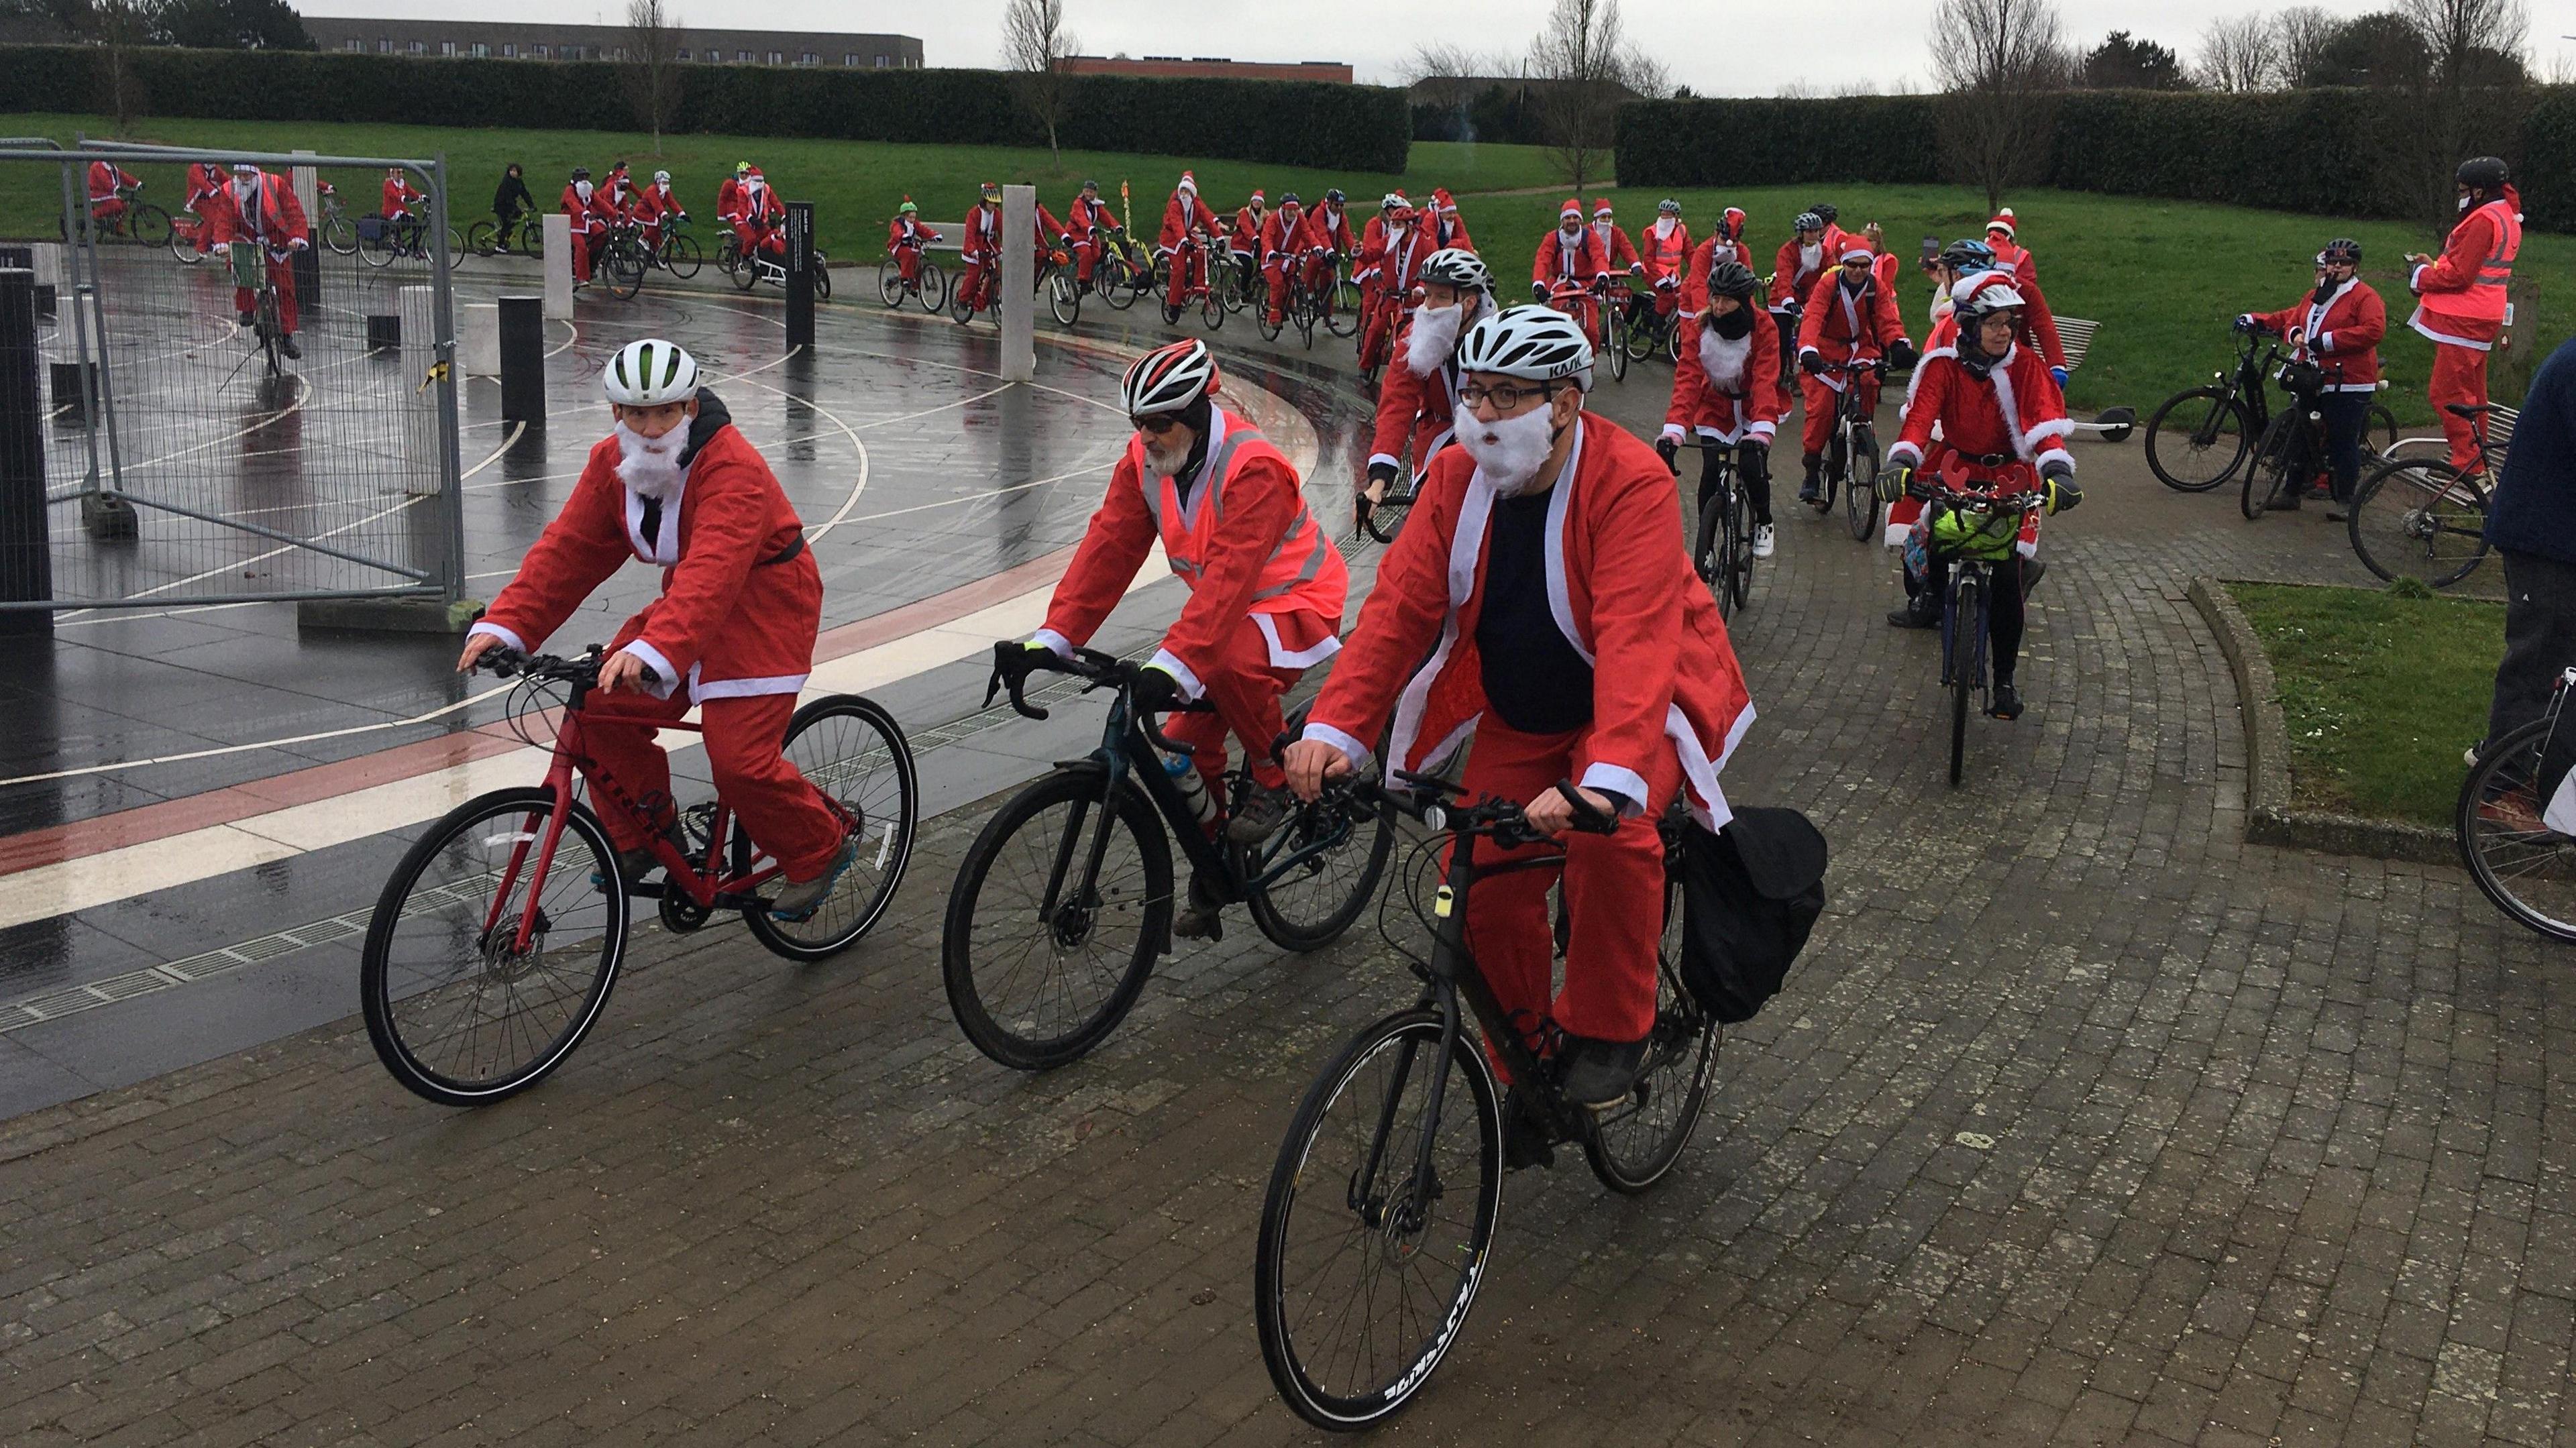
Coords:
496,941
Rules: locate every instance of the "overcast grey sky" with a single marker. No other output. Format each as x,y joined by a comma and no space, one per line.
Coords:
1822,45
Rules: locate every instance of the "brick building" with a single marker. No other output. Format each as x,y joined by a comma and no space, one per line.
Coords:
503,40
1208,67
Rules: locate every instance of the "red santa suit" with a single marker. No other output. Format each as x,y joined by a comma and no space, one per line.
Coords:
1695,279
1446,230
1722,389
905,238
1577,260
1665,248
1843,326
104,182
1415,409
1794,272
1266,586
732,633
656,206
2038,321
205,178
590,217
2461,301
758,219
1185,218
275,224
398,199
1085,218
1051,235
981,252
2340,334
1668,706
1388,274
1332,229
1287,234
1996,430
1618,253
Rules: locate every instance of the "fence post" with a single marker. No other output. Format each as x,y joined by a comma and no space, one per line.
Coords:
523,361
800,275
26,557
307,264
559,266
1019,283
420,379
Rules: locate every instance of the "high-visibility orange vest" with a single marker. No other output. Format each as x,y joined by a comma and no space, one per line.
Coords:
2474,315
1303,573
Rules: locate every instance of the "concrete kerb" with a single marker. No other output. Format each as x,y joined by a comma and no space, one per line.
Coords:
2270,816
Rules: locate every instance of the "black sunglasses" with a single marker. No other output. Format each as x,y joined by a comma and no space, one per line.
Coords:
1158,424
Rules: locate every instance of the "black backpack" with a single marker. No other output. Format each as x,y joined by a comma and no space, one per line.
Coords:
1750,894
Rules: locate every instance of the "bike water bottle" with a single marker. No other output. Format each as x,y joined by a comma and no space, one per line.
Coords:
1192,785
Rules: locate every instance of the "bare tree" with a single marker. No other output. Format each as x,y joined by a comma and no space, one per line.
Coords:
2469,40
1035,45
1588,67
2239,53
2002,64
2301,34
652,64
2481,91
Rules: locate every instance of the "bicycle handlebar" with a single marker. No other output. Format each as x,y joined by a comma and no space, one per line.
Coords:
582,669
1493,817
1013,663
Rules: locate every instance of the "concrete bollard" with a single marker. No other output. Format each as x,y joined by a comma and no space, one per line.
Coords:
522,340
559,267
478,339
420,410
1019,283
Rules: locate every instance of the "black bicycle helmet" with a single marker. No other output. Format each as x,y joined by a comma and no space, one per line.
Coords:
1728,277
581,173
1827,210
1289,198
2481,173
1090,185
2343,249
1807,221
1334,196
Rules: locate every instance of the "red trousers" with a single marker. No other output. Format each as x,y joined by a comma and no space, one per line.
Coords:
907,259
979,282
1614,896
1377,329
758,239
783,814
281,280
1824,404
1245,689
1277,270
1086,254
585,242
2459,375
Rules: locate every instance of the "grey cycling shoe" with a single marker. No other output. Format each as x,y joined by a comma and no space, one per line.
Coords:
802,898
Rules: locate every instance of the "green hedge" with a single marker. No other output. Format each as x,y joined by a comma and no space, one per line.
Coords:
1298,123
2341,152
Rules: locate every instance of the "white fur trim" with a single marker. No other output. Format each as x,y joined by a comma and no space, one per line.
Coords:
2418,323
660,664
1672,431
745,688
1057,644
493,630
1763,430
1630,786
1168,662
1354,751
1390,459
2061,427
1283,657
1905,452
652,550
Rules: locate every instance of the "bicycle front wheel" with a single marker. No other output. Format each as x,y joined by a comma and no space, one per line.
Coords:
851,750
1860,493
1055,920
1117,283
183,242
1062,300
2524,866
1967,631
458,1009
1635,1143
2420,520
1365,1268
1315,899
625,269
2270,474
682,257
2196,440
1739,546
1614,340
1342,312
148,224
934,288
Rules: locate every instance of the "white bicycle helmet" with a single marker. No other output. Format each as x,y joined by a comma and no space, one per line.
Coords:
1456,267
1538,343
650,373
1168,379
1972,299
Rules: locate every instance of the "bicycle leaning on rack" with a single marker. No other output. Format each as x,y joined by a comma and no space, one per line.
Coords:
1065,899
2523,863
495,942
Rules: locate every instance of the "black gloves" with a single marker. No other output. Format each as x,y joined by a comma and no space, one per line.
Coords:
1538,291
2057,479
1381,473
1811,363
1917,487
1901,354
1671,451
1155,691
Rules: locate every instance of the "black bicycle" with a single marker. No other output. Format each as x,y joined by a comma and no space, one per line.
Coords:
2201,436
2427,519
1065,899
2293,442
1301,308
1851,454
2520,860
1379,1221
1722,540
523,234
1972,531
1121,273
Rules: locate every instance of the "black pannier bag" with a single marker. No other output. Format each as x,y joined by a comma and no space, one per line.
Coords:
1750,894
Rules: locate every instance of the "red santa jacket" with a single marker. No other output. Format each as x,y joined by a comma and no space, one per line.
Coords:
1664,675
1245,543
658,203
1284,235
1561,261
1447,231
1245,233
759,205
105,179
729,201
1998,429
205,178
277,220
1705,258
1390,261
1184,213
2461,293
2343,333
1087,212
1051,232
1667,256
1794,273
1618,253
1715,389
588,216
398,198
1844,326
1416,407
1333,226
983,240
908,231
741,599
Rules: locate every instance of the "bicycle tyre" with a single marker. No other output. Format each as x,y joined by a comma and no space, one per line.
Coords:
1288,1349
147,224
1212,310
1630,1152
1342,309
1967,624
532,239
1860,492
1116,281
2381,426
1002,1035
2402,513
822,278
265,321
385,988
340,234
934,288
479,238
1302,307
745,273
2270,470
2500,781
890,282
884,807
1268,329
1614,329
379,252
183,244
1704,552
1739,544
1062,300
2179,457
961,305
682,256
1643,342
1373,835
624,268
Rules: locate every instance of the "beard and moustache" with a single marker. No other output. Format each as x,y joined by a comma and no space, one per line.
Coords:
1434,337
1166,459
650,466
1510,450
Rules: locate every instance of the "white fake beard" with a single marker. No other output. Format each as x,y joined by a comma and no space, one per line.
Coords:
1510,450
581,189
650,466
1722,360
1811,256
1434,337
1165,460
1664,226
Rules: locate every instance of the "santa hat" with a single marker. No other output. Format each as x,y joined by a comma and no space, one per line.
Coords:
1573,207
1858,253
1256,196
1189,183
1441,198
1601,207
2003,222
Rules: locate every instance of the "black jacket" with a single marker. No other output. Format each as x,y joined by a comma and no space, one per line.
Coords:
512,197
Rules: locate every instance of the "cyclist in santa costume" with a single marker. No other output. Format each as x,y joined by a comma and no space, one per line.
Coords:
732,633
1722,390
2460,297
1418,406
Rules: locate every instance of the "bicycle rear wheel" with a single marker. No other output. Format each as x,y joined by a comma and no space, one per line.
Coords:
2524,866
2196,440
934,287
1614,340
682,256
1042,958
147,224
1634,1145
183,242
1362,1277
1860,491
1212,310
1310,906
890,282
2420,520
457,1012
852,750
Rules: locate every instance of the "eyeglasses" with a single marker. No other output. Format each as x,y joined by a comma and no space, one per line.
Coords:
1158,424
1502,398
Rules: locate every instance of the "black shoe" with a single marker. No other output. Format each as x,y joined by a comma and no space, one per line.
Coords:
1526,1140
1811,494
2338,512
286,344
1915,614
2282,503
243,318
2032,571
1260,817
1600,1074
1198,918
2005,703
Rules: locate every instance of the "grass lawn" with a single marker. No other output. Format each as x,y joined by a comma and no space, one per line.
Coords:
2163,277
2380,693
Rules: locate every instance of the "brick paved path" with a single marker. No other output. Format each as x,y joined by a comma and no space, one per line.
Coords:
2082,1121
